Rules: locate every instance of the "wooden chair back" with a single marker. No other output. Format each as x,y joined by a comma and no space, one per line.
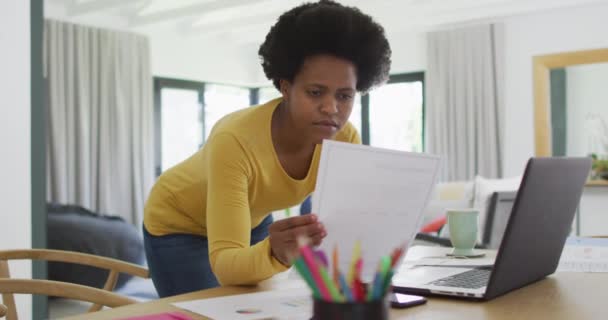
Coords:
99,297
2,310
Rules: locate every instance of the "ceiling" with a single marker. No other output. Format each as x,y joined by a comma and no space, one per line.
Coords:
246,21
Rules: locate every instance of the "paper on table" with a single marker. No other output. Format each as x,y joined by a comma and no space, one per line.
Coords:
581,258
162,316
416,258
293,304
445,261
372,195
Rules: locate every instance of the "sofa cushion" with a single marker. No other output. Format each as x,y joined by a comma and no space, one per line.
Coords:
448,195
456,190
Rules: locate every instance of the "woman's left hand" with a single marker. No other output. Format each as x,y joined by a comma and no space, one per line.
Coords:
284,235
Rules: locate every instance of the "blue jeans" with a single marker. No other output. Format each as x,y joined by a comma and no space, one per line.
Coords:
179,263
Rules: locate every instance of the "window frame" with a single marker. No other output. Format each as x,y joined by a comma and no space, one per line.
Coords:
395,78
161,83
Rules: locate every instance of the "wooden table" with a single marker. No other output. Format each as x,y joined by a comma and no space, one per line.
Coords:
559,296
597,183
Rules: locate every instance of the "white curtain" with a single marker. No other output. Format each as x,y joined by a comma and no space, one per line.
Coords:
100,118
464,102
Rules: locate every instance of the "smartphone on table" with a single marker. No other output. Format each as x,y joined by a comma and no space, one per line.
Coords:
400,300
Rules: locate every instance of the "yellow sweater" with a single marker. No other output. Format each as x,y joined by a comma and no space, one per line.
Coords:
227,188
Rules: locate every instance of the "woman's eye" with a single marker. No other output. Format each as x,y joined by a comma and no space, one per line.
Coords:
345,97
314,93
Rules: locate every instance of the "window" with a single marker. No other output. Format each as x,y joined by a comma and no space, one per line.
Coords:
266,94
185,113
180,136
356,115
392,116
179,120
395,116
221,100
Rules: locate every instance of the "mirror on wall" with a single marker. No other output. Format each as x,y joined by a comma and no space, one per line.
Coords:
579,110
571,107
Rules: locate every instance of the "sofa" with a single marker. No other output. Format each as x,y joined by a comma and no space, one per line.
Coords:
75,228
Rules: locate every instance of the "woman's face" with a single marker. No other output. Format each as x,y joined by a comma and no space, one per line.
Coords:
320,98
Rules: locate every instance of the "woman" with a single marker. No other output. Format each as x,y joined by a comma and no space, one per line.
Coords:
207,219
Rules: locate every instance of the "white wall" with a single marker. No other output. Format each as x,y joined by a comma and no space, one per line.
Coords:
408,52
15,188
201,59
587,110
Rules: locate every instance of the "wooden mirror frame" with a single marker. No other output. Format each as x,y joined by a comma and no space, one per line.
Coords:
541,68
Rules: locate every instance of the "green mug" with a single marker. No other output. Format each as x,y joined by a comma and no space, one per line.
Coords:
462,224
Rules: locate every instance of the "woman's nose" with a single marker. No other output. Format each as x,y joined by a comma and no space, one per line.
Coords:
329,106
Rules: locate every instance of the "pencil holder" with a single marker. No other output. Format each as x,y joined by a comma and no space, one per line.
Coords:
328,310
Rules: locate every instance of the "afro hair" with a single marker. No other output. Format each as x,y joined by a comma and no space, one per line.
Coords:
326,27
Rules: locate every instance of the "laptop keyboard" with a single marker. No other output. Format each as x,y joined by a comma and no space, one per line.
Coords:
472,279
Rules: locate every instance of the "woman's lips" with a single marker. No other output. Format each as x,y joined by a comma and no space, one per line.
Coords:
328,123
328,126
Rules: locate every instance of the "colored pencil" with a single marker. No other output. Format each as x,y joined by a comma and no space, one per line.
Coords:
320,255
300,266
373,287
345,288
384,269
309,259
336,266
397,253
331,286
354,258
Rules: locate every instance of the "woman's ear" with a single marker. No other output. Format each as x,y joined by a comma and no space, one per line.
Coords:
284,85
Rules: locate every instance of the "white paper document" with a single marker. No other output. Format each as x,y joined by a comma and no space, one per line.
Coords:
583,259
291,304
372,195
416,258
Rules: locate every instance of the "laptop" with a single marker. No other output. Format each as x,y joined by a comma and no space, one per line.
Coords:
540,221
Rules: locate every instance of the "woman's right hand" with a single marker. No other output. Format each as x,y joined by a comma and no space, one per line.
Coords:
284,235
